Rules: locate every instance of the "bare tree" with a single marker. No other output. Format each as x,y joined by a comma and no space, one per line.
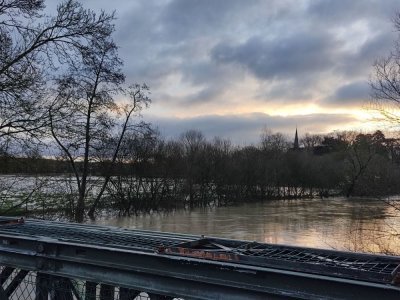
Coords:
273,143
309,141
85,112
139,98
359,157
385,82
385,89
33,48
193,143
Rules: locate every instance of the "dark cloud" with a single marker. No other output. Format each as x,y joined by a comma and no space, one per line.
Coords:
289,91
284,57
207,94
360,62
183,19
246,128
343,11
303,55
353,93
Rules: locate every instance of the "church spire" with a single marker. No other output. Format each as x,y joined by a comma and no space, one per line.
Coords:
296,141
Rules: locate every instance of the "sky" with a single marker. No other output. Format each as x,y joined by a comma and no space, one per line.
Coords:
232,68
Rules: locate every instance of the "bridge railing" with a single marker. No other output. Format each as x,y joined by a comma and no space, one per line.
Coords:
44,260
31,285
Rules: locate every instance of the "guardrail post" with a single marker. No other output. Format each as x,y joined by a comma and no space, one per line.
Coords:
106,292
90,290
5,274
42,286
62,288
127,294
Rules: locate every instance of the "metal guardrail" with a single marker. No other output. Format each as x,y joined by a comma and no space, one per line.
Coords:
29,285
75,261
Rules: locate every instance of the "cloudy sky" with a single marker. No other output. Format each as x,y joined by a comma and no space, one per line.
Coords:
233,67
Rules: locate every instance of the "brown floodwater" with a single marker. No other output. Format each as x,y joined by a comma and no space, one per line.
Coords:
336,223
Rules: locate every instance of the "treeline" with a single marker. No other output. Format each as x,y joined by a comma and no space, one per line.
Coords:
195,171
152,173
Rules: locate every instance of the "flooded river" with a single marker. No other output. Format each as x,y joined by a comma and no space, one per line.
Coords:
335,223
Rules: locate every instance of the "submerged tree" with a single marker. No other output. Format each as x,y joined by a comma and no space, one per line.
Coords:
86,113
385,86
92,104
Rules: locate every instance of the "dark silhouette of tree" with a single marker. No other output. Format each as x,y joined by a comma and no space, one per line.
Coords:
84,113
33,48
385,83
193,144
273,143
309,141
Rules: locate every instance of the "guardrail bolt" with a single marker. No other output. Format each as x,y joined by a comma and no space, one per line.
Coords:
40,248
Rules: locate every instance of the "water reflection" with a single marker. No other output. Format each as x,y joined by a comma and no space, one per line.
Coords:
339,223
